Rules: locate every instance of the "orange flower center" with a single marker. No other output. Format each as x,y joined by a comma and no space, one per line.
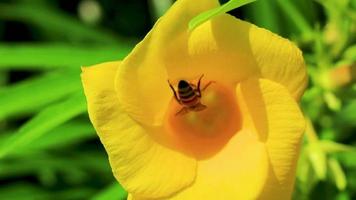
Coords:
203,133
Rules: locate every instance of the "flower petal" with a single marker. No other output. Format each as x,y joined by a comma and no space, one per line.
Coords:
223,48
259,161
277,119
279,60
142,78
142,165
239,171
233,50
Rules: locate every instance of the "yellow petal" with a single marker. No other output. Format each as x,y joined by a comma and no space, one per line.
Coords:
223,48
219,49
232,49
277,119
143,166
279,60
239,171
142,78
259,161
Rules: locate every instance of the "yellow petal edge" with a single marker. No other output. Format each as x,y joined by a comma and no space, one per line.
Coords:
223,48
139,163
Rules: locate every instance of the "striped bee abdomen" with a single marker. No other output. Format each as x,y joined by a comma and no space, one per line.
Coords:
186,94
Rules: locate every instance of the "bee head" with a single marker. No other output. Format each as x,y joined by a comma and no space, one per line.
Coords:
183,84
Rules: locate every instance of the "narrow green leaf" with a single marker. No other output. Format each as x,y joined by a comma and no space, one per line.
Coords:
27,191
205,16
62,136
56,55
348,160
46,120
20,191
76,165
112,192
35,93
318,160
55,22
338,174
264,14
333,147
297,17
350,54
347,115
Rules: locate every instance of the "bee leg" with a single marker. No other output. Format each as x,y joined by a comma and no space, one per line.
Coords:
198,88
182,111
174,92
207,85
193,85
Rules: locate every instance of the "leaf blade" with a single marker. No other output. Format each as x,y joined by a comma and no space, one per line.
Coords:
46,120
205,16
57,55
37,92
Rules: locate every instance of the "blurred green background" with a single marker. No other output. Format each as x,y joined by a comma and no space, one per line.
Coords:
48,148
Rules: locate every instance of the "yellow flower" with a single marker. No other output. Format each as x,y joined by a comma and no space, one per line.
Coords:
244,145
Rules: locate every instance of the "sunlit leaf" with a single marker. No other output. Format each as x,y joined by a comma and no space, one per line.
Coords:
34,93
338,173
318,160
112,192
45,121
205,16
64,135
333,147
350,53
55,55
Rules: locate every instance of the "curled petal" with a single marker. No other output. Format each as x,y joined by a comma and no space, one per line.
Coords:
142,165
239,171
273,114
279,60
223,48
141,81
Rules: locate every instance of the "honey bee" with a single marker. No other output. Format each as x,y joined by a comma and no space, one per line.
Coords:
189,96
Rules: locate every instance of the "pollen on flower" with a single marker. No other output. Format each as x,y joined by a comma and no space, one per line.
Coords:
203,133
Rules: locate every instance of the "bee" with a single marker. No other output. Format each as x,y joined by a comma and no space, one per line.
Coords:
189,96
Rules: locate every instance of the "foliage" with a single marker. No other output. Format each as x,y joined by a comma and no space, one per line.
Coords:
49,150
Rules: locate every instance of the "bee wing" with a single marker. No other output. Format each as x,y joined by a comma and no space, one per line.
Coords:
199,107
183,111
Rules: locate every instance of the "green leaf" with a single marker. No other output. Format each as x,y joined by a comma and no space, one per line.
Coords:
347,115
333,147
318,160
350,53
20,191
46,120
78,166
264,14
56,55
67,134
56,23
338,174
35,93
297,17
205,16
112,192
